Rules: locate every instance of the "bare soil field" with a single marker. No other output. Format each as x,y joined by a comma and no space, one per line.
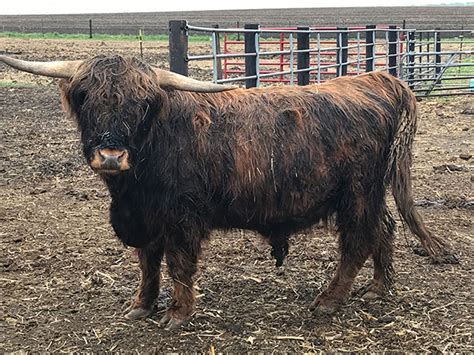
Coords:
421,18
66,280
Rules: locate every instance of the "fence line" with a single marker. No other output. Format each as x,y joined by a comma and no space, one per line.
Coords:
323,53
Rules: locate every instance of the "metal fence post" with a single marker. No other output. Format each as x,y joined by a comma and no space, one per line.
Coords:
303,58
218,51
250,60
341,53
428,44
392,50
438,50
178,47
369,49
411,59
90,28
420,49
140,42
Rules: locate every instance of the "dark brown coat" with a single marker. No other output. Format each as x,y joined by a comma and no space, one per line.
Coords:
275,160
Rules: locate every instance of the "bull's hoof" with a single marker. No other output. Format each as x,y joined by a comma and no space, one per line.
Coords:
324,305
371,291
371,295
420,251
170,321
446,257
441,256
138,313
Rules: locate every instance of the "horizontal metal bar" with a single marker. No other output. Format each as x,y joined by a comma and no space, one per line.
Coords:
448,94
263,30
437,88
226,55
320,67
331,30
327,49
451,87
240,78
242,30
453,65
266,75
438,53
426,72
378,57
448,78
441,31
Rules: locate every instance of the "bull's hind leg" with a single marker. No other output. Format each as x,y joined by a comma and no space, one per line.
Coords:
358,223
150,261
383,259
354,249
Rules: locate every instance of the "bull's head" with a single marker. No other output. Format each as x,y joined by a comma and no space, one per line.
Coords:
115,101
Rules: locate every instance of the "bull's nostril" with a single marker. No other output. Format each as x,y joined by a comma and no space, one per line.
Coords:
101,156
121,156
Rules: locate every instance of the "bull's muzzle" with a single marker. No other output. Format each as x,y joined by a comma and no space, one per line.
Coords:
110,161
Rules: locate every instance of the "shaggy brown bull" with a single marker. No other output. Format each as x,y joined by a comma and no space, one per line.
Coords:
180,161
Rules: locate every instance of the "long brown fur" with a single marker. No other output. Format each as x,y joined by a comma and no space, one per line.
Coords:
275,160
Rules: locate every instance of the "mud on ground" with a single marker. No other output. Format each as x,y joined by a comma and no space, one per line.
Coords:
66,280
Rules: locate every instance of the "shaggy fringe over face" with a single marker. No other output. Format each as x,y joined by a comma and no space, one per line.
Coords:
115,101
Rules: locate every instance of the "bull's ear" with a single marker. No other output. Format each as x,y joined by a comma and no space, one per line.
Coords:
58,69
63,90
181,82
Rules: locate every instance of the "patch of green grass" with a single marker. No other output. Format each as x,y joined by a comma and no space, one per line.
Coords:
467,70
461,71
96,36
14,84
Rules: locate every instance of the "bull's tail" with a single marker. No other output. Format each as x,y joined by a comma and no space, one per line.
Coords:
399,175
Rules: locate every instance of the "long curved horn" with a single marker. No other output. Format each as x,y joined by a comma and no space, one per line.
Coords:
181,82
59,69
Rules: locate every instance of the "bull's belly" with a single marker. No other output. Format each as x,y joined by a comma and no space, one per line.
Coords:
270,214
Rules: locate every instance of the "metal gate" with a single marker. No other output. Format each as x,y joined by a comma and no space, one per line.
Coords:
434,63
433,66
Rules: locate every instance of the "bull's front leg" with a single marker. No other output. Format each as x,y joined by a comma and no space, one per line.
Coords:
182,258
149,259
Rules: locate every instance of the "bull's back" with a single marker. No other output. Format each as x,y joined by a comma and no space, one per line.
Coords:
291,153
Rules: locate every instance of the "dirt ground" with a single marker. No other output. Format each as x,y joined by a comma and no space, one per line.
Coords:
66,280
